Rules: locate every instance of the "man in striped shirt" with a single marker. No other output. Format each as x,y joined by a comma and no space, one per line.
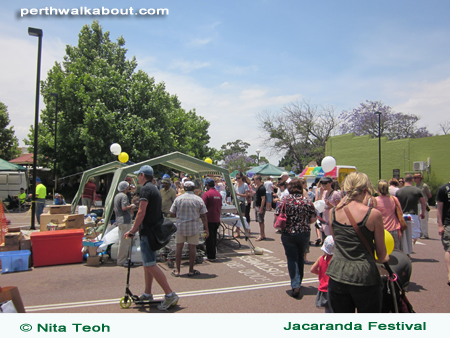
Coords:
189,209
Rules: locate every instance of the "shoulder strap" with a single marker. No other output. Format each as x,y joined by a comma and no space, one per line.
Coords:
358,231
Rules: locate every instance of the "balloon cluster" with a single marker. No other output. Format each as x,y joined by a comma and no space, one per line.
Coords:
116,149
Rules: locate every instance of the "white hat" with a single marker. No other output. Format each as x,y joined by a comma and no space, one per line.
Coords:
188,184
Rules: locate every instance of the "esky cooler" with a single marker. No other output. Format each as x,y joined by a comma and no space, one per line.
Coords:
57,247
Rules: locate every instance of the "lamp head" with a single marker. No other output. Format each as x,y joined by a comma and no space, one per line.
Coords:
35,32
258,151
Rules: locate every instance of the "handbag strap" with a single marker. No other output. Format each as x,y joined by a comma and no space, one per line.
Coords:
358,231
283,205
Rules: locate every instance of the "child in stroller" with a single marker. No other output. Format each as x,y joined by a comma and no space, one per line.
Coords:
400,264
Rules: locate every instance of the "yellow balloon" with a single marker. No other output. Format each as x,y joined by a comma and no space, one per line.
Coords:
123,157
389,242
208,160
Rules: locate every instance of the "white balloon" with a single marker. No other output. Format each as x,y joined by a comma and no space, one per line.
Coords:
116,149
328,163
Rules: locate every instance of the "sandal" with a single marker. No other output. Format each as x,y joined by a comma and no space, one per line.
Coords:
318,242
193,273
260,239
175,273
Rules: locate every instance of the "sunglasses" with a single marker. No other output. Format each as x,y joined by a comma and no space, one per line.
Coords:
238,177
401,181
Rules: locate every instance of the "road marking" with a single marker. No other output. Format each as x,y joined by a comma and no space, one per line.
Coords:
251,287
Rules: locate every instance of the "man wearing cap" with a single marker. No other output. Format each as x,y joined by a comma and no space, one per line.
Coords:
268,184
122,209
41,193
426,192
88,197
168,195
213,202
409,198
188,209
149,214
284,177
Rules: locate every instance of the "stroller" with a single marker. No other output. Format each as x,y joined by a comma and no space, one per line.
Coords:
395,280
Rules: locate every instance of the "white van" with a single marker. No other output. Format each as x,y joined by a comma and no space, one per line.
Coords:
11,182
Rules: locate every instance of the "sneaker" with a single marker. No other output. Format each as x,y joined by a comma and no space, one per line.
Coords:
168,302
295,292
144,298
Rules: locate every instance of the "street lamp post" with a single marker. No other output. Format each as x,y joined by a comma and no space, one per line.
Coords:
56,133
257,152
379,144
36,32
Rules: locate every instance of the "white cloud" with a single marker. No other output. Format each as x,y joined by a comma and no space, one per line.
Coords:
430,100
18,80
188,66
198,42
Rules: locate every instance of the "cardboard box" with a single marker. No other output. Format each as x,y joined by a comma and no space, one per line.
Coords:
92,250
15,229
49,218
4,247
74,221
60,209
93,261
25,244
12,238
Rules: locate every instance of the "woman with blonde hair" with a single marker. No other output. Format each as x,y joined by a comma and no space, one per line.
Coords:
355,282
387,204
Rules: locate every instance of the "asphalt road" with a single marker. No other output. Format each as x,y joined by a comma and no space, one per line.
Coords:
238,282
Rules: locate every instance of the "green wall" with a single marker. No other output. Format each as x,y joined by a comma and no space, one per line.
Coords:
362,152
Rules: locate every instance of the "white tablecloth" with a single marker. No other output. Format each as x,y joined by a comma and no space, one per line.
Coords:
232,219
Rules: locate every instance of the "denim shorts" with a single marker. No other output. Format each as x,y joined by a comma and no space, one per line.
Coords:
148,255
269,197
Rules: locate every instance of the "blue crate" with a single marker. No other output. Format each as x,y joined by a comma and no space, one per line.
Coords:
15,260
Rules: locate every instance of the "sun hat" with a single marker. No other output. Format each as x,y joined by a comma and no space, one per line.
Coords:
145,169
122,186
328,245
418,176
189,184
284,173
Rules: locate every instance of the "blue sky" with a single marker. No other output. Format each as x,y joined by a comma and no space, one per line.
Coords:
231,60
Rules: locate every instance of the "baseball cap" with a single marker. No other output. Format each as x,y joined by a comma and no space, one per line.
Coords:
128,179
210,182
166,180
328,245
166,176
189,184
38,179
418,176
271,176
56,195
145,169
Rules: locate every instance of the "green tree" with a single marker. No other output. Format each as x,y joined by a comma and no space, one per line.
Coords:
103,99
299,129
9,144
236,147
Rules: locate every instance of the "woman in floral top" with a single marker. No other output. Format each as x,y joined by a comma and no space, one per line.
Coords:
300,213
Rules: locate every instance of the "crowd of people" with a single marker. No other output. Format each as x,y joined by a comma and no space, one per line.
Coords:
349,279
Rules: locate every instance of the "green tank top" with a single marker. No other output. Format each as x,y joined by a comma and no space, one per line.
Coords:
352,263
